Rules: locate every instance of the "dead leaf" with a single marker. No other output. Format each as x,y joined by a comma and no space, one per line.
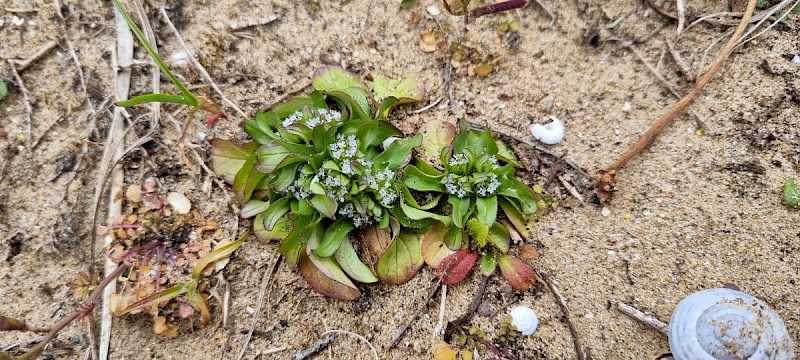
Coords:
161,327
457,266
442,351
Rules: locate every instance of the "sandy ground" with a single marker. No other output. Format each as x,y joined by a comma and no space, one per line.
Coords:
694,211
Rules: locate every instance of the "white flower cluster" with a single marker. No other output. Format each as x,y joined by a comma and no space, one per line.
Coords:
324,116
344,148
293,118
297,190
348,210
333,184
453,188
493,160
381,183
488,186
458,159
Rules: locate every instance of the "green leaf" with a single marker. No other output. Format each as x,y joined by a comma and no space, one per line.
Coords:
416,214
488,262
499,236
162,296
462,209
436,135
454,237
3,90
406,4
253,208
227,157
271,155
411,201
325,205
326,277
478,231
518,220
402,91
188,96
217,254
505,154
395,155
487,209
246,180
415,179
292,244
334,236
159,98
374,133
515,189
346,86
352,265
402,259
791,194
276,210
434,249
279,231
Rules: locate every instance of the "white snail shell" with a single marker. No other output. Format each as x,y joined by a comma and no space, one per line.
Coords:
726,324
551,133
524,319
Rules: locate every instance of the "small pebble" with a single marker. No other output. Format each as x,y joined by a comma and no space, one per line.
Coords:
180,58
433,10
606,211
796,59
179,202
201,136
17,21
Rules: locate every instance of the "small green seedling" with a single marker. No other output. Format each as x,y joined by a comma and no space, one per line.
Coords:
185,97
791,193
3,90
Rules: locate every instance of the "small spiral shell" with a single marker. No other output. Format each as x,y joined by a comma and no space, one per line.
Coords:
524,319
725,324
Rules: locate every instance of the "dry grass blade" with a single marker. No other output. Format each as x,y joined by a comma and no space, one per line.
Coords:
25,101
114,150
374,352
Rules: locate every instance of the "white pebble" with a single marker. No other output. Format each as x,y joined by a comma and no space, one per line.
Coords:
201,135
433,10
524,319
180,58
179,202
796,59
606,211
17,21
551,133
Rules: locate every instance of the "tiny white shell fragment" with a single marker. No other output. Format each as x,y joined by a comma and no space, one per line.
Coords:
179,202
524,319
201,136
180,58
433,10
796,59
551,133
17,21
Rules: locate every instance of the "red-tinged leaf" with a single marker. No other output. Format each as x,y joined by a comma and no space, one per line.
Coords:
434,249
337,286
518,274
11,324
402,259
455,267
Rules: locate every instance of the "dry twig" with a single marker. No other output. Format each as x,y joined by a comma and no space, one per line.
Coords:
579,351
25,101
606,178
643,318
265,280
334,331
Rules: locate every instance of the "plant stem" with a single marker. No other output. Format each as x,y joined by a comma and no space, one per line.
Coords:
606,181
83,309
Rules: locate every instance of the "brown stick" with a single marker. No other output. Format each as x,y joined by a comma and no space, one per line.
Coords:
605,179
576,341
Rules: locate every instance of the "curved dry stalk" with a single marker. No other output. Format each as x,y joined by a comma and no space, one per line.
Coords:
606,183
374,352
